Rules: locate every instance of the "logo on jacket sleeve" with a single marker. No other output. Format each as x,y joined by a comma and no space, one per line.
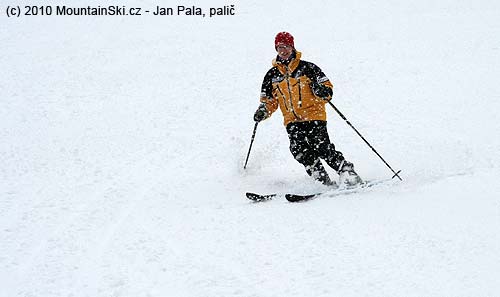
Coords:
322,79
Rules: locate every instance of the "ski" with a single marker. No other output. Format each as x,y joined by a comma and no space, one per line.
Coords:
333,193
298,197
259,198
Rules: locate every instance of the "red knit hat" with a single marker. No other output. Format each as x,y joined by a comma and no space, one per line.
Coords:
283,38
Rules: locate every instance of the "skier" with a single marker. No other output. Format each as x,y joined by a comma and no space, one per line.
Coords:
300,89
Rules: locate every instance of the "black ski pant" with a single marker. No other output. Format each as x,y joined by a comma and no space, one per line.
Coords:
309,142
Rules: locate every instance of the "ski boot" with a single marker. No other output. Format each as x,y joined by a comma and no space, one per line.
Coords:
318,172
347,176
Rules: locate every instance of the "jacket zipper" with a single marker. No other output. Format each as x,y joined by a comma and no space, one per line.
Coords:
282,95
300,94
290,91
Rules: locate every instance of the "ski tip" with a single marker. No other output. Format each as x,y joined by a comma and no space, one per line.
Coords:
258,197
252,196
298,198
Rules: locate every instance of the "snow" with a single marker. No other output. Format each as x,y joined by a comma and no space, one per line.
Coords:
123,141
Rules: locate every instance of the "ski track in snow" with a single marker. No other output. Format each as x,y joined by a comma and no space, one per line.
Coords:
123,142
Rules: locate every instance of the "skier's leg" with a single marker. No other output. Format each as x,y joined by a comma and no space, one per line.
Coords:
320,140
318,172
335,159
305,154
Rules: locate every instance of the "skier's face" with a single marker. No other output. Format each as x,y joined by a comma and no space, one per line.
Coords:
284,51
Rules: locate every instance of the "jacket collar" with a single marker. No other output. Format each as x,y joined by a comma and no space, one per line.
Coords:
292,65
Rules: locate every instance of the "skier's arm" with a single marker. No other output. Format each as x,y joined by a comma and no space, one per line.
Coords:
320,84
268,104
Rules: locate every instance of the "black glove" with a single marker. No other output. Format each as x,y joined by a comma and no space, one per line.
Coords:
260,113
320,90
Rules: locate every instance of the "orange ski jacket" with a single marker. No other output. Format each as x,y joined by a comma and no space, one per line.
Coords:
288,87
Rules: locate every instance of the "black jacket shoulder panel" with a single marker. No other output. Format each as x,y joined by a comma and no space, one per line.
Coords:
272,76
311,70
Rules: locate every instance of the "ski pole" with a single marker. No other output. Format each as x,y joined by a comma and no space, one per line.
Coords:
251,142
359,134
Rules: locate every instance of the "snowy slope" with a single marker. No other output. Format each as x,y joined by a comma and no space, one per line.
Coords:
122,142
